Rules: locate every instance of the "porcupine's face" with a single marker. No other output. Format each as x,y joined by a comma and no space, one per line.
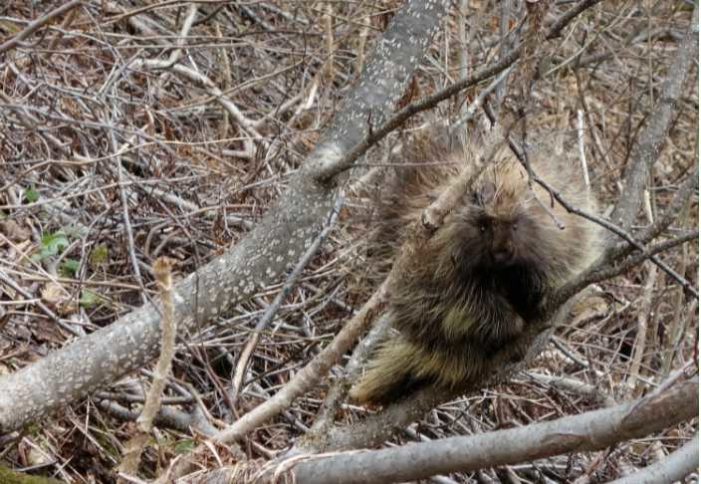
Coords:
497,232
502,248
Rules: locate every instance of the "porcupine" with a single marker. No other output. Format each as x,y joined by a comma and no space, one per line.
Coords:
480,279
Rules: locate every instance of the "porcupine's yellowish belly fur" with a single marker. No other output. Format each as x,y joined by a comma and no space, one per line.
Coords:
399,359
457,323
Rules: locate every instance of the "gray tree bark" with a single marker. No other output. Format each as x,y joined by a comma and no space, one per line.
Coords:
654,135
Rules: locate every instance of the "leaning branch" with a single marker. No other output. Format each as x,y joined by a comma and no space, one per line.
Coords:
654,134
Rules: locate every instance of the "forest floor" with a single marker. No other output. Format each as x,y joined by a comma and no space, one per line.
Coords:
111,157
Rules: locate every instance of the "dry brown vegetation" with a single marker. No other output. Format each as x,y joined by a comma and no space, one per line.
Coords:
137,130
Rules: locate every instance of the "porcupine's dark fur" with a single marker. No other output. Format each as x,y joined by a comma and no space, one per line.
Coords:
479,279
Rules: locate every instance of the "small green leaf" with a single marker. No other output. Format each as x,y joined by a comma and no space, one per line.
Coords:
32,195
69,267
53,244
89,299
184,447
99,256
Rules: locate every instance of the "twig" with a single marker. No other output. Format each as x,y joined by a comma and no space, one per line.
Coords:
184,31
680,318
640,345
433,215
129,231
339,390
567,17
568,352
504,37
166,417
574,386
685,283
162,271
605,270
311,373
362,41
477,102
580,142
64,26
38,23
134,448
327,21
462,43
664,220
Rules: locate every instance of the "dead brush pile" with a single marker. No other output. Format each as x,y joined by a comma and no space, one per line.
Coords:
134,130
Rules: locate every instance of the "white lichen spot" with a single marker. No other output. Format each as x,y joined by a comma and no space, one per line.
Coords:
326,156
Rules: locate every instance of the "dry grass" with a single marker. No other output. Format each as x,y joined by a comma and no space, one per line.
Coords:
111,158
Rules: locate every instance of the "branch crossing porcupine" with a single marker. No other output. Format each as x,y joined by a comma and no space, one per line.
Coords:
480,279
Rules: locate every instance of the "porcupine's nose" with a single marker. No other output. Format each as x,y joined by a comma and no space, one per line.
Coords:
502,247
502,255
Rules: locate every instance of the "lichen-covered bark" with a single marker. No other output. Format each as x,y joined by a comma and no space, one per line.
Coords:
261,258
